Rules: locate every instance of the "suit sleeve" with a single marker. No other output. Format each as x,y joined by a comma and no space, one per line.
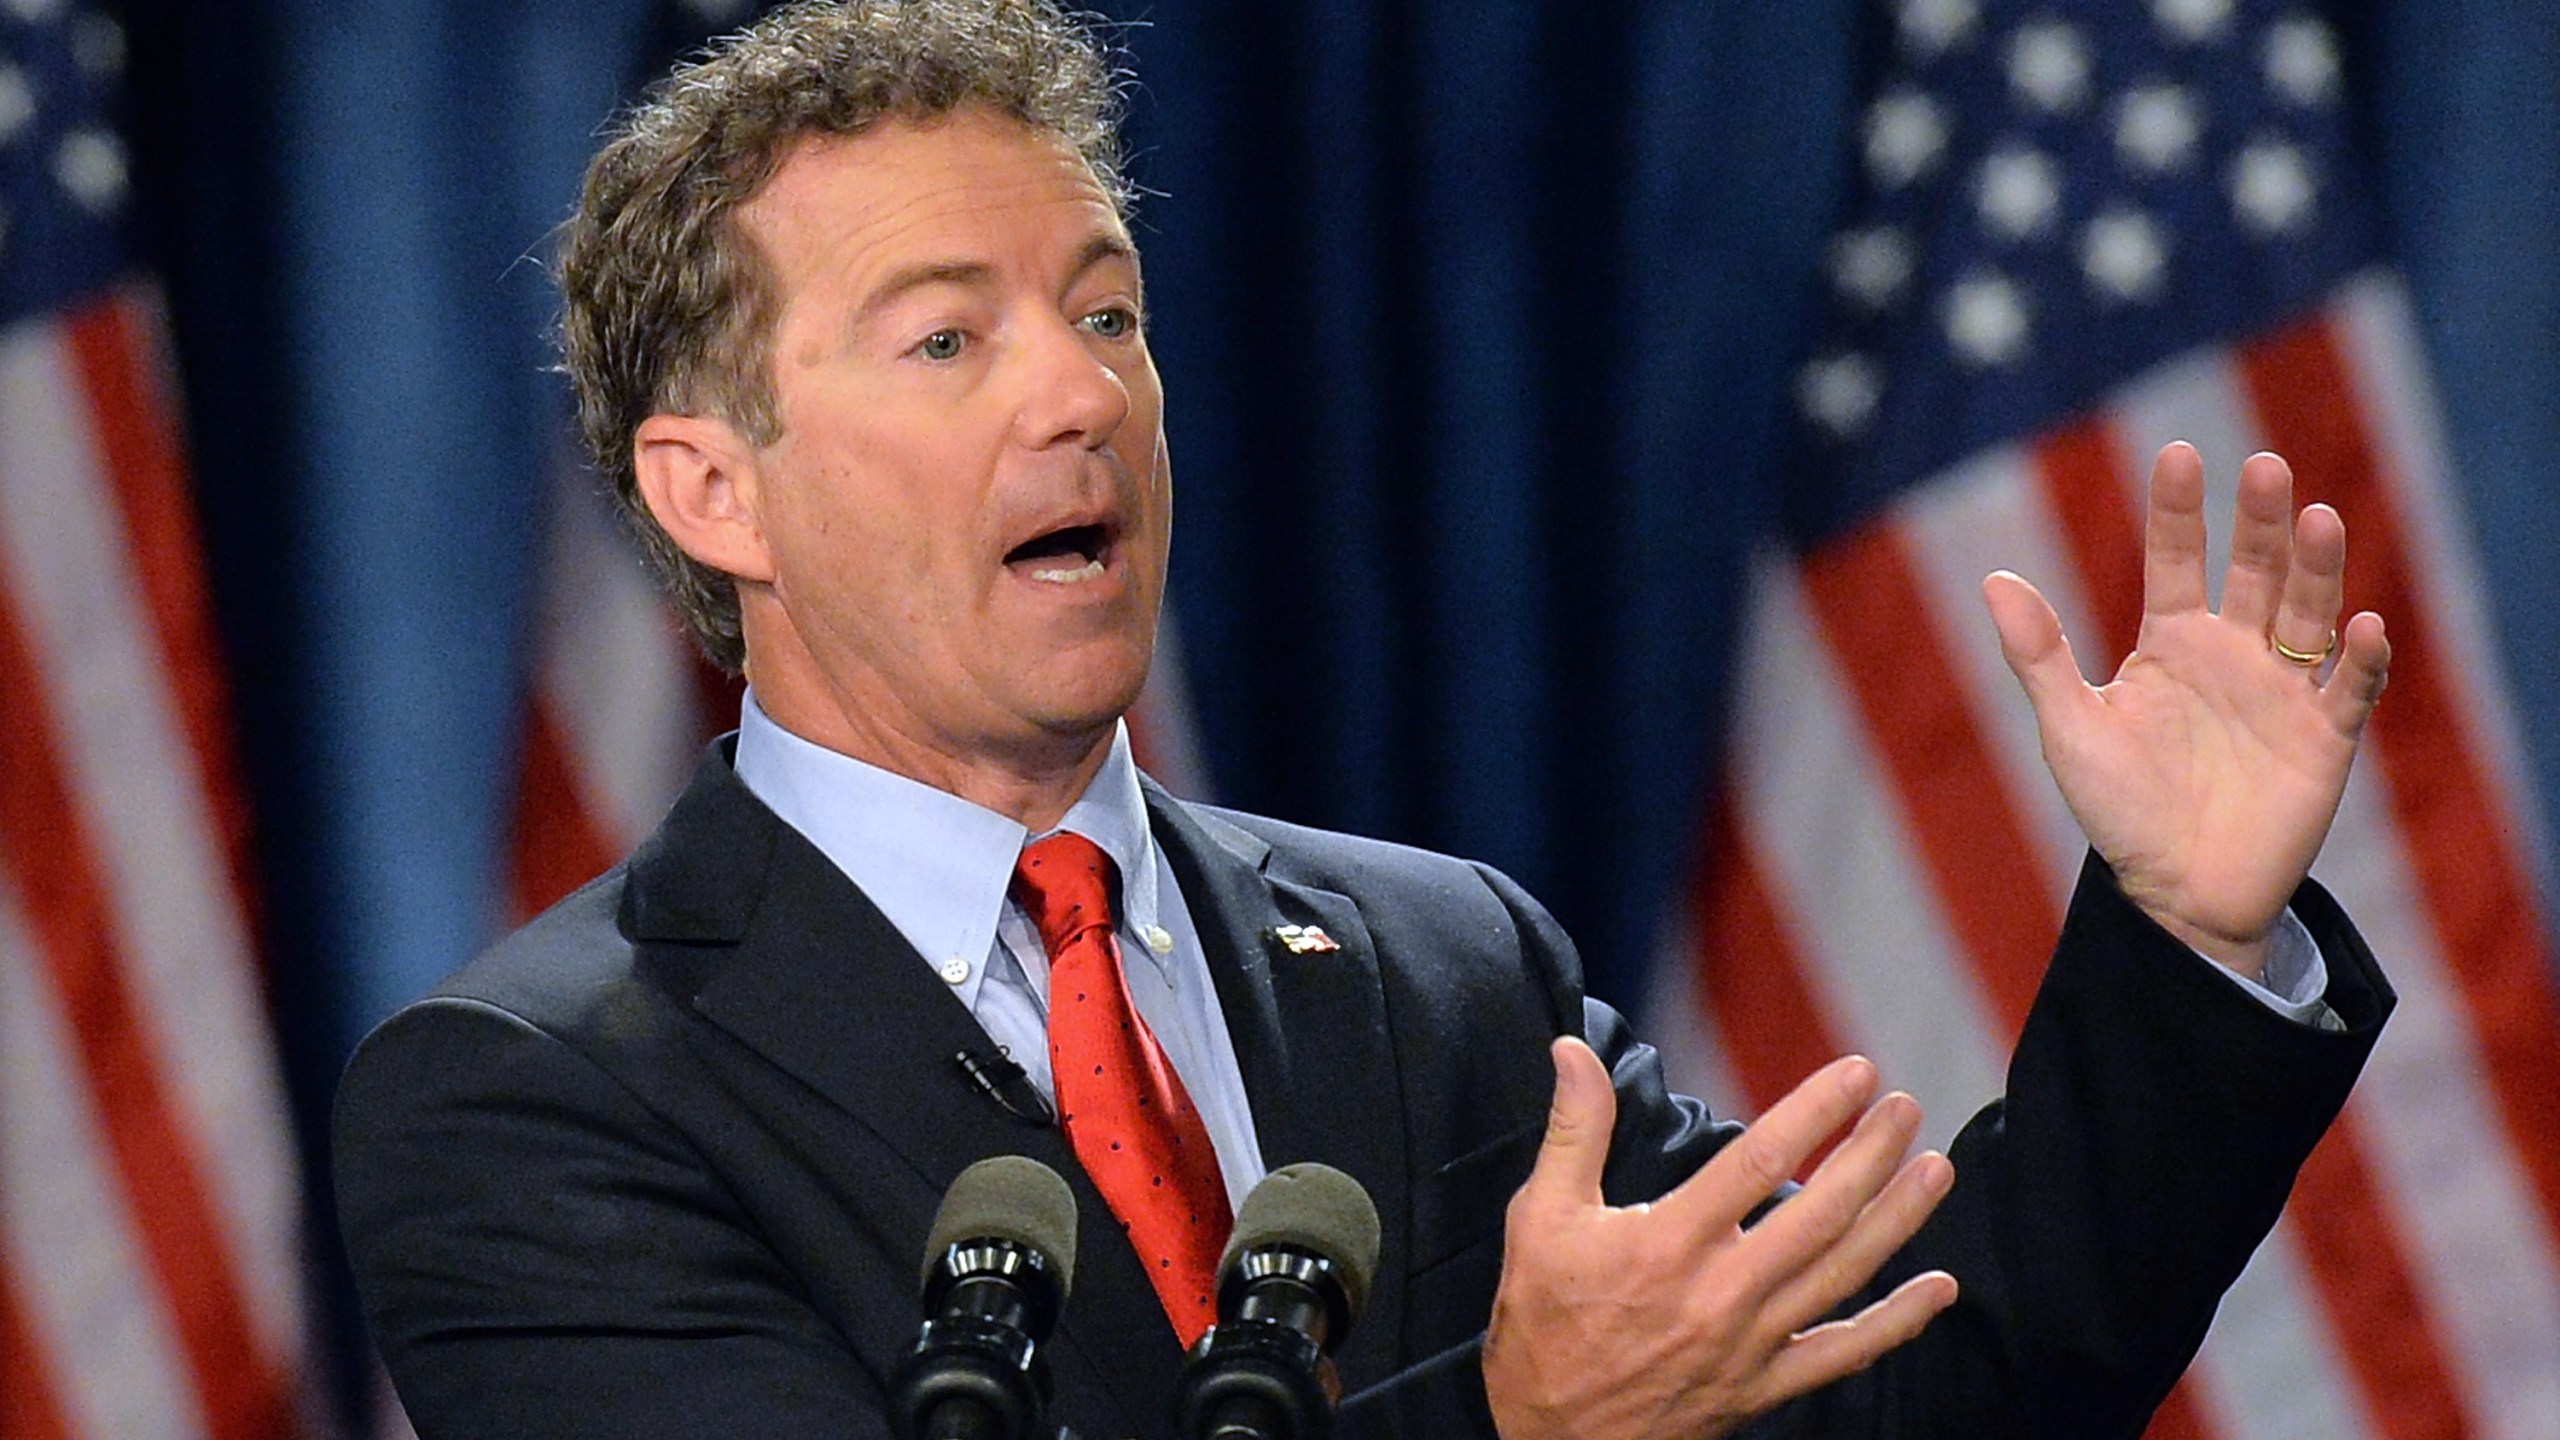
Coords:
485,1173
2155,1118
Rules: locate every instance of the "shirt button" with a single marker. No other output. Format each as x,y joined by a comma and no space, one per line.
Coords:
1159,939
955,970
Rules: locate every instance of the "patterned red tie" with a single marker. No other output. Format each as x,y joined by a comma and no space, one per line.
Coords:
1125,1112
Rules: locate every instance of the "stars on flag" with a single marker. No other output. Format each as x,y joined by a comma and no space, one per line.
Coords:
1906,133
1987,320
1933,27
97,45
2125,254
2301,61
2049,67
90,165
62,167
2196,22
2029,177
1840,391
2157,127
17,102
2271,185
1872,266
2019,190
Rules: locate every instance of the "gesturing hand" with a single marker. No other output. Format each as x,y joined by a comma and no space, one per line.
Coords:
1670,1319
2208,770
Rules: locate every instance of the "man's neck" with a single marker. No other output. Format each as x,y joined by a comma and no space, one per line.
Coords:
1034,785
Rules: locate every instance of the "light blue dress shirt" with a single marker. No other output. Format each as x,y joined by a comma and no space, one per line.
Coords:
2296,977
939,868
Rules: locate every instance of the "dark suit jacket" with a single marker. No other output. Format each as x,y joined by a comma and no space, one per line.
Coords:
662,1163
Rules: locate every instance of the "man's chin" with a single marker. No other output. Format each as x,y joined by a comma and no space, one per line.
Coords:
1098,679
1091,715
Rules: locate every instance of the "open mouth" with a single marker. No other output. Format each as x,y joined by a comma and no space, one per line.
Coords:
1072,555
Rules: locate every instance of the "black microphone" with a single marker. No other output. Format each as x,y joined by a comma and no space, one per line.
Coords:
996,1270
1291,1282
1007,1084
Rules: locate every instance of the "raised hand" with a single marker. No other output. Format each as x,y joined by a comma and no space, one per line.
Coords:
2207,772
1670,1319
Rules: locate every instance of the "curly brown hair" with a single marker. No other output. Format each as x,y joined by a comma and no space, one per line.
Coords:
668,305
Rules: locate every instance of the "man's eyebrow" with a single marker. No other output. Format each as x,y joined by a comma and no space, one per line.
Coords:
1100,248
916,277
1103,246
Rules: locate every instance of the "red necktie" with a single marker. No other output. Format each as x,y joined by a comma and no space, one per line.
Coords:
1125,1112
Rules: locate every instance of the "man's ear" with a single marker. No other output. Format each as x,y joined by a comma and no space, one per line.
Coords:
698,476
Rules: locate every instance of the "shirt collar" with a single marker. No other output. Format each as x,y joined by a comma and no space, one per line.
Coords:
1112,813
938,866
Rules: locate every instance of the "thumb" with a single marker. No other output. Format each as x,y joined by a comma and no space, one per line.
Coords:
2031,640
1578,1125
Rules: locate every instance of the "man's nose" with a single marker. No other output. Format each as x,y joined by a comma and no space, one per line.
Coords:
1073,395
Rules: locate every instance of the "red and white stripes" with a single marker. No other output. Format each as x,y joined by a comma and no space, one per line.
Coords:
150,1263
620,708
1886,869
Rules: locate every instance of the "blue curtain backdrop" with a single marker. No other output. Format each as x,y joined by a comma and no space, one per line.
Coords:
1476,317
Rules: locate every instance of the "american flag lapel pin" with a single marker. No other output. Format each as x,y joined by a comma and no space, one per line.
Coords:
1304,940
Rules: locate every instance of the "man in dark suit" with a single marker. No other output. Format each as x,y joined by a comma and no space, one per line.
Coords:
855,320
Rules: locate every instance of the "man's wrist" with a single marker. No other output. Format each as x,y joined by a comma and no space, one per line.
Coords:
2293,978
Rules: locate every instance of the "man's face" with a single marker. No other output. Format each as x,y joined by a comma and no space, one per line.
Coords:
967,512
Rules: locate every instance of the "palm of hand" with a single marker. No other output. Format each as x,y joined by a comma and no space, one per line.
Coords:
2208,771
2206,774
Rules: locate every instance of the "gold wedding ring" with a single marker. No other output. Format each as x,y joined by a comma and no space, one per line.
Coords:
2300,657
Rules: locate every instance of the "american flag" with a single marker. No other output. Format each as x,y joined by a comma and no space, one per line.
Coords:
150,1262
618,710
619,703
2085,229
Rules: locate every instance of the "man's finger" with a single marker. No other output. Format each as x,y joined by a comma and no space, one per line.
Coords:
1751,1167
2364,662
1886,1224
2262,562
1844,1347
1584,1111
2316,584
1803,1232
2031,640
2173,533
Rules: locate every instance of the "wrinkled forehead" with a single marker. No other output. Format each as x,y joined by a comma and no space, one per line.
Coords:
947,181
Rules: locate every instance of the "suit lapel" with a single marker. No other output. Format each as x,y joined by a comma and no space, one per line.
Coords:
794,961
1310,1031
823,986
817,981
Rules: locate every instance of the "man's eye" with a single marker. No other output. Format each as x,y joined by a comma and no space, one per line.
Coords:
1116,323
942,345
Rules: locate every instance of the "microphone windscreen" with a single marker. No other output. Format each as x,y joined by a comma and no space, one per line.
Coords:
1315,1208
1009,1197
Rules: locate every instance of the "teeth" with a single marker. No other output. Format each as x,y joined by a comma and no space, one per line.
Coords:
1089,570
